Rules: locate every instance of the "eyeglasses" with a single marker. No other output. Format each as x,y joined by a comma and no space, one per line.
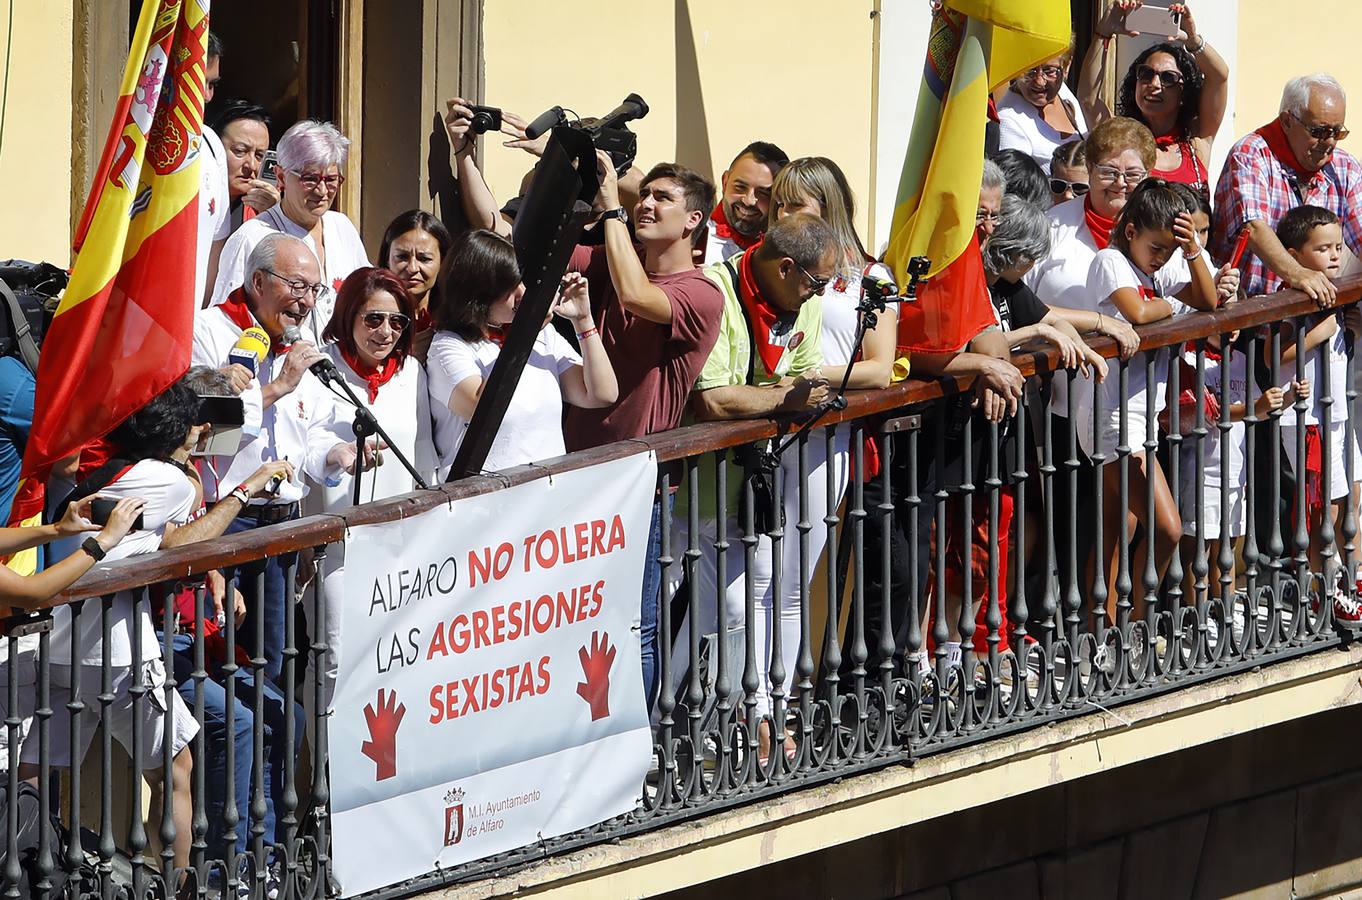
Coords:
1059,186
1111,175
818,284
1050,72
396,321
1322,132
299,289
1166,77
981,217
312,181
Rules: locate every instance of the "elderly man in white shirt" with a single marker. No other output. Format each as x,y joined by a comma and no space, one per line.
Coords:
289,413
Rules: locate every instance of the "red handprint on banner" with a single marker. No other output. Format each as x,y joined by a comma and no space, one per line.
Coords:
596,667
383,724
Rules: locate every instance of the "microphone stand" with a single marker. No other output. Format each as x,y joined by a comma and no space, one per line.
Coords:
366,425
873,302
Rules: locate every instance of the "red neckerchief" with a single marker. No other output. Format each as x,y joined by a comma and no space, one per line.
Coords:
235,308
374,376
1171,139
1275,135
1099,226
497,334
728,232
1213,354
423,321
763,315
993,110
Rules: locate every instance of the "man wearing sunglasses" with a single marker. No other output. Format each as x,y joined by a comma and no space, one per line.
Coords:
289,415
1292,161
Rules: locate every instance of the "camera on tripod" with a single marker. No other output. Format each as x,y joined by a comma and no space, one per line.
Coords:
607,133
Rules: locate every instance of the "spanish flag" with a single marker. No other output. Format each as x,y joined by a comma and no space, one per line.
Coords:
124,329
975,46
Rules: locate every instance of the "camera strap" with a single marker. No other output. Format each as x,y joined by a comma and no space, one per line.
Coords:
95,482
23,337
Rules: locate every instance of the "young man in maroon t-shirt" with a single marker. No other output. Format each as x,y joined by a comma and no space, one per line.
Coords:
659,319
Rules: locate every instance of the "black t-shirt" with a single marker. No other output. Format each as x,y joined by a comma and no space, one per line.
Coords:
1017,305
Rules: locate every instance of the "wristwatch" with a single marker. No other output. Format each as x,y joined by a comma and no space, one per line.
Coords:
618,212
91,546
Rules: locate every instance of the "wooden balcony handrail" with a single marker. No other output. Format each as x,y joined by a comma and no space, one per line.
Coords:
313,531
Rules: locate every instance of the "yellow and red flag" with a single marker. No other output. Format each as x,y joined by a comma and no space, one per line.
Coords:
975,46
124,329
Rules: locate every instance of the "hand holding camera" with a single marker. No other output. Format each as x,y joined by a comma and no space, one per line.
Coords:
116,517
464,119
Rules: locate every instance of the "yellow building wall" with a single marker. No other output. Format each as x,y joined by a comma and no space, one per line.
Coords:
1282,46
35,154
716,74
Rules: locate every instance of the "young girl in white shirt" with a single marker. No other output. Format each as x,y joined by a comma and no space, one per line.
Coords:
1127,282
480,294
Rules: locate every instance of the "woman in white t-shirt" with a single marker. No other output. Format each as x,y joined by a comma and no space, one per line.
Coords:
1039,112
370,336
1127,281
480,291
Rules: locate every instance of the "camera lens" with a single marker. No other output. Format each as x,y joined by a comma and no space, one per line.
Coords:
482,122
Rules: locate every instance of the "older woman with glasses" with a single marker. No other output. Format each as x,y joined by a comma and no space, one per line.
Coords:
1039,112
311,156
1178,89
370,341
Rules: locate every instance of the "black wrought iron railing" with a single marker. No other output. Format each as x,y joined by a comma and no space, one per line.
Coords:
934,580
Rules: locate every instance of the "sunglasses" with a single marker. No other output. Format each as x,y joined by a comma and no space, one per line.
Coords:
1322,132
396,321
1059,186
1167,77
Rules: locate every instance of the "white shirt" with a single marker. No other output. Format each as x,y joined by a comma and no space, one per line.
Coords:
532,429
300,427
215,220
170,500
1233,465
1112,271
344,254
1336,351
1023,127
718,249
1061,280
841,317
403,409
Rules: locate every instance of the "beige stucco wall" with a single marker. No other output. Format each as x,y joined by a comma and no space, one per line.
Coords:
716,73
1281,46
35,157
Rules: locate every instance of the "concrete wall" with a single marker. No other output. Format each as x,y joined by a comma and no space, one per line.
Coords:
717,74
35,152
1266,814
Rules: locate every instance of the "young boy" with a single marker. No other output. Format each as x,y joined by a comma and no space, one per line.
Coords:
1314,238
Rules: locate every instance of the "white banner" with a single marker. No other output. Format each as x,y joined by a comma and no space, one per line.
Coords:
490,693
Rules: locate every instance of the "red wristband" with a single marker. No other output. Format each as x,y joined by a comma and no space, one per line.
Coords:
583,335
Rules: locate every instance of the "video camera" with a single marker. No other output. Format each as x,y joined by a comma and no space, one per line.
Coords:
607,133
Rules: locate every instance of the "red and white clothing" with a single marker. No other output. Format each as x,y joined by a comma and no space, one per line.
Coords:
344,254
532,428
214,205
1222,460
301,427
402,407
1111,271
723,241
1190,171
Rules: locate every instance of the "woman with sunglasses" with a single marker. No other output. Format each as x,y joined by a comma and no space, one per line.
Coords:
1178,89
1039,112
369,339
311,157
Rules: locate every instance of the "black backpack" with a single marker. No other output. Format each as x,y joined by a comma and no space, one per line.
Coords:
29,293
32,823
